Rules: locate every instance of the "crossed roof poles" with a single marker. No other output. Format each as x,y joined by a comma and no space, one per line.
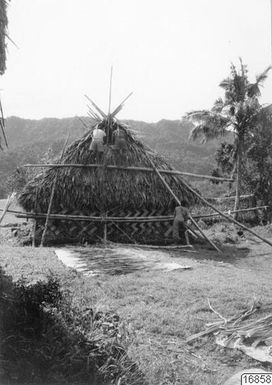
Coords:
97,114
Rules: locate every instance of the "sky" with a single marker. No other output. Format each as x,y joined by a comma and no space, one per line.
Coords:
172,54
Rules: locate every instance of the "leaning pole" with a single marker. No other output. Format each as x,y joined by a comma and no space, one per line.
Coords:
230,219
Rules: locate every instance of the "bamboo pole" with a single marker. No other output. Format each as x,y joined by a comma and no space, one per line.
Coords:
105,233
51,197
49,210
113,167
179,203
219,199
82,122
137,245
20,214
96,107
121,105
35,221
8,203
110,90
230,219
232,212
162,218
2,122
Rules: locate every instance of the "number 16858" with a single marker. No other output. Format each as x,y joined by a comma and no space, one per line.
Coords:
256,378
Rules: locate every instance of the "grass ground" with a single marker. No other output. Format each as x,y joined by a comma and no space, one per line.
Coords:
162,309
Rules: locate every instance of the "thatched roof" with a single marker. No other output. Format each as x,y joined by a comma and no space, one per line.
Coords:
3,35
86,190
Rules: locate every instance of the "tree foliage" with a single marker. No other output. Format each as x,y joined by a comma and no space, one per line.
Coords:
235,113
258,171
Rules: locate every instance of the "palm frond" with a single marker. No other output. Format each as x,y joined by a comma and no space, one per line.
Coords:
226,83
263,76
197,116
210,126
254,88
218,105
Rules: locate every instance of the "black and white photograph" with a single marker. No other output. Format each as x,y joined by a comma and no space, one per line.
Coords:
135,192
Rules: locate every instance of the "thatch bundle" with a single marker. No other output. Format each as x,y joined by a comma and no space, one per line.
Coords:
102,191
3,34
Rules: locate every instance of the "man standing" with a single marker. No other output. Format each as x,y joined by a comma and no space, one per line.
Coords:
97,144
181,217
120,140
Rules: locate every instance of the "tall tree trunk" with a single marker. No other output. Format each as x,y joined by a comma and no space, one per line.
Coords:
238,179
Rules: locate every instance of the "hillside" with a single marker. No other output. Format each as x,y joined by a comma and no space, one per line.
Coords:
30,139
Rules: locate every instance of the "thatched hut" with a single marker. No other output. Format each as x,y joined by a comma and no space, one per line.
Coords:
115,188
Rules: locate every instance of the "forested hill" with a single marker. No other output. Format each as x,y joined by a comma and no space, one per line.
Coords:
30,139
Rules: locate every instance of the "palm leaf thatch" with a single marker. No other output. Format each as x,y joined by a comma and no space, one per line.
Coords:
3,35
87,190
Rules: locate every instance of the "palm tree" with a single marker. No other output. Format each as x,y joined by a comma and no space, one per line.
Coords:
236,114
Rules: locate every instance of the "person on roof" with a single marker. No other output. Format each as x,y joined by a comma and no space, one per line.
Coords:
97,144
181,217
119,137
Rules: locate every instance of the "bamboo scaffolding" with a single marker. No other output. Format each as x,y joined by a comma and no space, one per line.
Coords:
52,196
113,167
161,218
179,203
230,219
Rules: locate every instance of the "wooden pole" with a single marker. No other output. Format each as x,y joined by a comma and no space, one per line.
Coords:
96,107
35,221
113,167
271,28
52,196
169,218
119,108
204,235
179,203
230,219
105,233
218,199
173,247
232,212
49,210
165,218
82,122
8,203
110,90
2,122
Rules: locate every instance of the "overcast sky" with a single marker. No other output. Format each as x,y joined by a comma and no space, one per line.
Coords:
172,54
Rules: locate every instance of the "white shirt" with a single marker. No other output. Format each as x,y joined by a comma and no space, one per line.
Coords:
98,135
